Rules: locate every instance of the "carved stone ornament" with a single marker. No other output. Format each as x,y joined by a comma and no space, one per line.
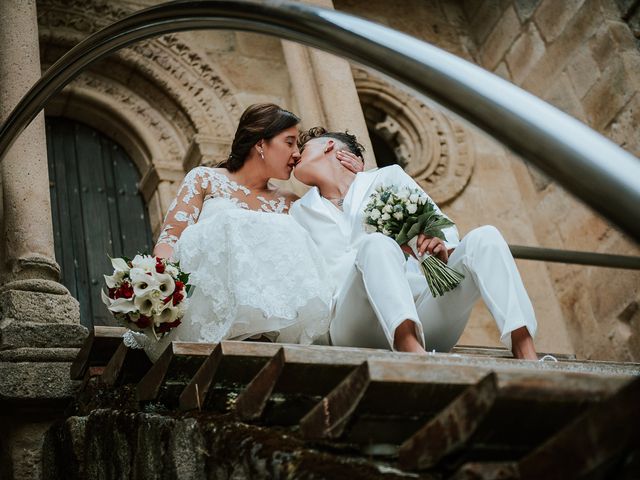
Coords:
168,91
432,147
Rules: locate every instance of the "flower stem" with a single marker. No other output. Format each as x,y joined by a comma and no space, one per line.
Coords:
440,277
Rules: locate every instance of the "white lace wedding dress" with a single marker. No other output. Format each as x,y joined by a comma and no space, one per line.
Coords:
255,272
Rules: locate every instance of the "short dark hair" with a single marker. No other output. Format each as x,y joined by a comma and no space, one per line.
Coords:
259,121
348,139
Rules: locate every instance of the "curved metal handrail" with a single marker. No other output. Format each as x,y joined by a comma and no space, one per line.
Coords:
587,164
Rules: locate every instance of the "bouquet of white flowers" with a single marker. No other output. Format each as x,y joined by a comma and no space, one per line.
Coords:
404,213
147,293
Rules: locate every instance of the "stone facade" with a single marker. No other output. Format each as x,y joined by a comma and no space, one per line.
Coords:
582,57
173,102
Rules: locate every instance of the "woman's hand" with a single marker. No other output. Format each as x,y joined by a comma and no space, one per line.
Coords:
432,245
163,250
350,161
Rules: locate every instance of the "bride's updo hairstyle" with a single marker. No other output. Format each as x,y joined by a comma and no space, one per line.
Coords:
261,121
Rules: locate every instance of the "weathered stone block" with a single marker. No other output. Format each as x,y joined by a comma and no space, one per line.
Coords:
525,53
484,18
624,129
610,93
552,17
611,36
46,383
525,8
17,334
30,306
562,96
503,71
583,71
500,39
29,354
583,25
112,444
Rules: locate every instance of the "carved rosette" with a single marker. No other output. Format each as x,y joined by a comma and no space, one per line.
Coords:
432,147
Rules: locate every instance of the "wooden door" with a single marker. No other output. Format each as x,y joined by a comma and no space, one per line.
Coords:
96,211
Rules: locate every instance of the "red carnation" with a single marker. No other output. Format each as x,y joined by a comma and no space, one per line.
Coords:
143,321
159,266
125,291
165,327
179,285
112,292
166,300
177,297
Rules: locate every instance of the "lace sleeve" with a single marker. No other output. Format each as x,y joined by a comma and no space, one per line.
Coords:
185,208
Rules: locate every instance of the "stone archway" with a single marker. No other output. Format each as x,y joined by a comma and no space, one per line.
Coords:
432,147
163,101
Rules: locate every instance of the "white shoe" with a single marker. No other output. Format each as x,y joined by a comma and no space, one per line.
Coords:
548,358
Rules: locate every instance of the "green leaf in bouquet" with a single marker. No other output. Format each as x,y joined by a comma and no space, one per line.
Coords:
413,231
438,223
402,237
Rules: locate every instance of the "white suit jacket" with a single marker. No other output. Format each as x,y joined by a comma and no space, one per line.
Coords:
337,233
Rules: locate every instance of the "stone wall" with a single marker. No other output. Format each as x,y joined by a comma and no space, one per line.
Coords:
580,56
118,444
491,195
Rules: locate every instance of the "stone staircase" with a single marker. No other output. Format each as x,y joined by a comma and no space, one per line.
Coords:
468,414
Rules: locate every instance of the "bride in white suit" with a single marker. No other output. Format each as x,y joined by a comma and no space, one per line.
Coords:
382,299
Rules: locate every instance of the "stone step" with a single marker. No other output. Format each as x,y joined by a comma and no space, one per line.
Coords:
467,412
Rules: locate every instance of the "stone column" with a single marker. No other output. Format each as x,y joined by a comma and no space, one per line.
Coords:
39,319
29,288
325,91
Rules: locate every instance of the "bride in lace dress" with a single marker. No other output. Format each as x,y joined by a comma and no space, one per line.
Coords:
257,273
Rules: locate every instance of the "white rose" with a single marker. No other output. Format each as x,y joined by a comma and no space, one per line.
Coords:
403,194
412,208
398,215
422,200
145,262
379,203
387,209
386,232
385,217
142,282
375,214
413,198
171,270
370,228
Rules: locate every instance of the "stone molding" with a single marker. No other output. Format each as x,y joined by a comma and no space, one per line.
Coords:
163,101
431,146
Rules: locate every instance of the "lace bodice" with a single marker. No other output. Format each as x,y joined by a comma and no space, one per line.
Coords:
202,184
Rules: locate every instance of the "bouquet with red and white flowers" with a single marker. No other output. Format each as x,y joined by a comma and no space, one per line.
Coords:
147,293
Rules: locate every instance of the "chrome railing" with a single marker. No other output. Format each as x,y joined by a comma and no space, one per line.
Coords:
587,164
572,256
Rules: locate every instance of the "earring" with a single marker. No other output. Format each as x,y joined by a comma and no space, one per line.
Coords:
261,154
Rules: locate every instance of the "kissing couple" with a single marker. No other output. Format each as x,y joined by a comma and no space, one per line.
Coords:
267,265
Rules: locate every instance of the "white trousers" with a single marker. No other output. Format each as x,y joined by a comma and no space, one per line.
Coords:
382,291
